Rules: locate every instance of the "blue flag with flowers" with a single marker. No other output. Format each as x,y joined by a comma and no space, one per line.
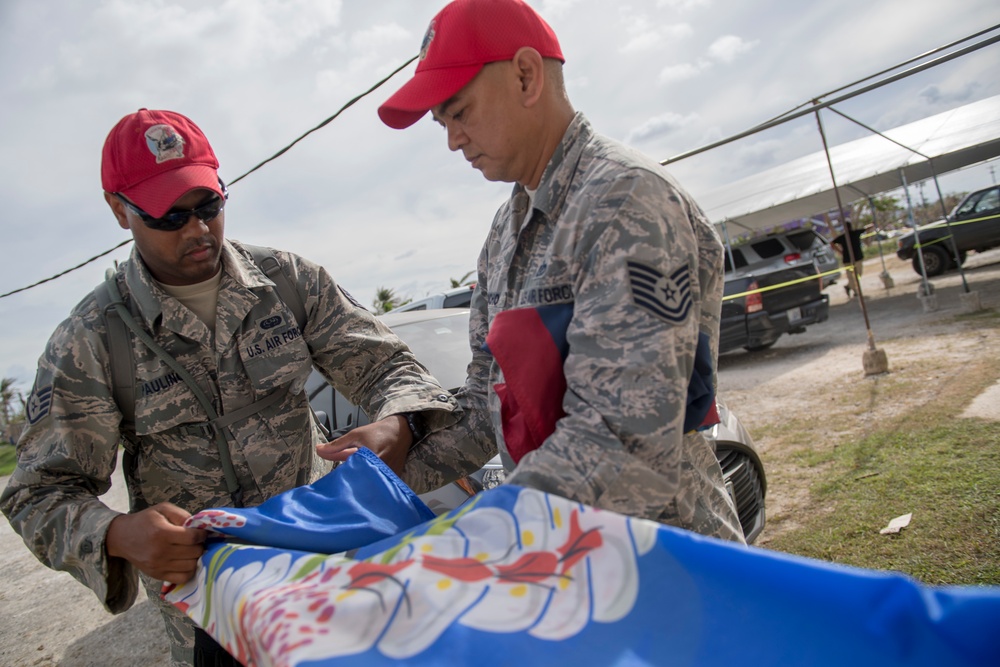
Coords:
517,576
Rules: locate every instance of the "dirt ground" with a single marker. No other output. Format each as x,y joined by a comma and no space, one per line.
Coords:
49,619
810,375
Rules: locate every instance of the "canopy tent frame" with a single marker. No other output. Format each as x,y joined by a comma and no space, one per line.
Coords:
962,154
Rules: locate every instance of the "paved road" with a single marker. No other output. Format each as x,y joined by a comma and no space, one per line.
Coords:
50,619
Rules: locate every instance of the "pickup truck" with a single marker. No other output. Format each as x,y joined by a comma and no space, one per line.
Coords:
757,320
974,224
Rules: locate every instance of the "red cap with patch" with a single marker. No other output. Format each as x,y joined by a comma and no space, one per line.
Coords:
463,37
156,157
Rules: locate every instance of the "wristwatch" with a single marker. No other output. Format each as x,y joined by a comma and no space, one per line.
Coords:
417,424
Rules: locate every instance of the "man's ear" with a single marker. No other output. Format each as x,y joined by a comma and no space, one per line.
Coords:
531,72
118,209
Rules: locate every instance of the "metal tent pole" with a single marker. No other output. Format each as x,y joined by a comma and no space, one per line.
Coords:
944,211
874,360
927,289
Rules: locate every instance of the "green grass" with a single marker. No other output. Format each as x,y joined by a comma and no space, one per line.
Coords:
889,247
946,474
902,449
7,459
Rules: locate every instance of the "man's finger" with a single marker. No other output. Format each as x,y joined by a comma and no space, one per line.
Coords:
333,452
172,513
179,576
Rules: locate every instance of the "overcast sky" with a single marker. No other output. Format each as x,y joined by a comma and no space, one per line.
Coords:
381,207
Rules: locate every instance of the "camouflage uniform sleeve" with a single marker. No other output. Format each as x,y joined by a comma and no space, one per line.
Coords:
711,277
466,446
628,366
361,357
64,462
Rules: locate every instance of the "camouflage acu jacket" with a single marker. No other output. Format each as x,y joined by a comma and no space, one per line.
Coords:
612,237
68,452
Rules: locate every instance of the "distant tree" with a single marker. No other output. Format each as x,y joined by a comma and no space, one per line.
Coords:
931,211
386,299
8,396
12,407
464,280
886,212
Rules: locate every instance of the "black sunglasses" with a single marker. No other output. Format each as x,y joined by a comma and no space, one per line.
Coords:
174,220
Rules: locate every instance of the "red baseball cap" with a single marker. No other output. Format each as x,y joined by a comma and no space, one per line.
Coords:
156,157
463,37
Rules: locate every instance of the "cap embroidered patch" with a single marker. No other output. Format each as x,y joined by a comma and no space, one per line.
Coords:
38,404
164,142
666,297
428,38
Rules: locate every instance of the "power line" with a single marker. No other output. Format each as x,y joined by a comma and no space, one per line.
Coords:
325,122
59,275
281,152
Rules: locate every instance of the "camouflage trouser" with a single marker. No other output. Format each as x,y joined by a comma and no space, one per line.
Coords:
180,628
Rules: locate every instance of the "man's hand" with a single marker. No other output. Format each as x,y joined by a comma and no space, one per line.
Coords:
389,438
154,541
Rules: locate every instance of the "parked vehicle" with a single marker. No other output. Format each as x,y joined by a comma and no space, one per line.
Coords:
440,340
787,250
973,225
460,297
757,320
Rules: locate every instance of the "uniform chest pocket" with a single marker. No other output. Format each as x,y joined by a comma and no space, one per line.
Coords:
164,400
274,355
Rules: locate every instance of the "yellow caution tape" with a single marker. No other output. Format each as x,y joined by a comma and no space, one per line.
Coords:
790,282
943,226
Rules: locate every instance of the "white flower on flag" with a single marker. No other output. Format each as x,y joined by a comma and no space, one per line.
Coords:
549,568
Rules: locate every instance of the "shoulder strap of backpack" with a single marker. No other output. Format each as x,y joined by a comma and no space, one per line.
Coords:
119,347
120,342
287,292
118,321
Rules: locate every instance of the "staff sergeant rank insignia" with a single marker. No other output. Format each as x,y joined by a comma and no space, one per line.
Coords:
663,296
38,404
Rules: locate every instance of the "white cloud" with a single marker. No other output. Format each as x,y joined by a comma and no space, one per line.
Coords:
682,72
934,94
647,37
726,49
355,61
684,5
661,125
554,8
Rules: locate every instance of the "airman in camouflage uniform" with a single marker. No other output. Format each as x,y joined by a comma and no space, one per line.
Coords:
68,452
592,226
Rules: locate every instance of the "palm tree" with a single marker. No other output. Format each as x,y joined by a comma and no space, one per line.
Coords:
461,281
10,412
386,299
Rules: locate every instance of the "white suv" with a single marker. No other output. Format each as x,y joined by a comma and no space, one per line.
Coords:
460,297
791,248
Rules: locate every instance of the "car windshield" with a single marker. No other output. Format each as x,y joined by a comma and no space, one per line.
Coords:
441,344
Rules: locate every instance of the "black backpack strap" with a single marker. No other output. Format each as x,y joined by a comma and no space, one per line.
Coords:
287,291
119,347
117,306
118,321
122,364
